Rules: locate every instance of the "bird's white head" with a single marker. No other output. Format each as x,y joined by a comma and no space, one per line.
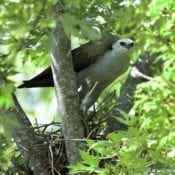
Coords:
124,43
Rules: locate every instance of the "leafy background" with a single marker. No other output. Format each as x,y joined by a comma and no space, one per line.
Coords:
149,143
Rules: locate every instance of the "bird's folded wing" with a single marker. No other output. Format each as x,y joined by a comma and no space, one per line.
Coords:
90,52
82,56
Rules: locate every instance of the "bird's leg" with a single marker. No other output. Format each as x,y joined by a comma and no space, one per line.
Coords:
92,96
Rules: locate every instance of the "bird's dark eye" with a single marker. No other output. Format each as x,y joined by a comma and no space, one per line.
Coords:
122,43
131,44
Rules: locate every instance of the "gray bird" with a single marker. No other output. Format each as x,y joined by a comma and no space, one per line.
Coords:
95,78
97,64
82,57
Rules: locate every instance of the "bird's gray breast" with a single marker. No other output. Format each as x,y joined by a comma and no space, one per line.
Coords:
114,64
109,67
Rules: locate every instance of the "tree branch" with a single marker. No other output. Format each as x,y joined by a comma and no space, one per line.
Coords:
66,91
32,146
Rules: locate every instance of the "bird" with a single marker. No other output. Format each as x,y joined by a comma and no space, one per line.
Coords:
96,77
97,64
82,56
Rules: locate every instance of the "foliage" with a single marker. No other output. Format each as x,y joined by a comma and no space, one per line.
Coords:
148,144
142,149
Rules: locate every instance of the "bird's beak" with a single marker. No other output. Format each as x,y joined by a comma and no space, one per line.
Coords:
127,45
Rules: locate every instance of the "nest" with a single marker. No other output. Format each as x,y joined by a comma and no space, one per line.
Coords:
48,144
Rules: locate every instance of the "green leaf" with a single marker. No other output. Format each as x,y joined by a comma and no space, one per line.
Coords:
92,161
115,137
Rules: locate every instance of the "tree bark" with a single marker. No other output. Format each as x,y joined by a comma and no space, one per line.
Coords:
32,146
66,91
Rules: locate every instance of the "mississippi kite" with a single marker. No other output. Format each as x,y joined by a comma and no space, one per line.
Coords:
96,64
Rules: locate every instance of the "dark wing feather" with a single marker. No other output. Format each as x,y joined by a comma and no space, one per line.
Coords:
82,57
90,52
44,79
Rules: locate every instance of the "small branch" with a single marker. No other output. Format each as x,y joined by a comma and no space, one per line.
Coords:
22,118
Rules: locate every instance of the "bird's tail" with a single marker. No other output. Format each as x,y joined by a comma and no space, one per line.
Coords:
44,79
36,83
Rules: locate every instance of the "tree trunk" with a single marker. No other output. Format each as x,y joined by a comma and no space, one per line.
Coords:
66,91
